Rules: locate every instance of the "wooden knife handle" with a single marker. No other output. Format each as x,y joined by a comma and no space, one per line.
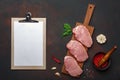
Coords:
88,14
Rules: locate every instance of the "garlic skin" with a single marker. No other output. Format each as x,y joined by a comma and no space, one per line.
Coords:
101,38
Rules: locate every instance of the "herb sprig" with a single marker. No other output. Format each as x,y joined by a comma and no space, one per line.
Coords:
67,30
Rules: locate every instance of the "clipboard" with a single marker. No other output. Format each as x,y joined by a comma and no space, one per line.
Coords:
28,44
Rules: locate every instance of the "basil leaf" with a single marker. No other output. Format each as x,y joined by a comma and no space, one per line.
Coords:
67,30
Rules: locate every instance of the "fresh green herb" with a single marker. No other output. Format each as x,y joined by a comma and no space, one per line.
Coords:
67,30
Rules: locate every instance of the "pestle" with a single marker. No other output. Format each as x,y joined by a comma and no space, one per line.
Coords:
106,57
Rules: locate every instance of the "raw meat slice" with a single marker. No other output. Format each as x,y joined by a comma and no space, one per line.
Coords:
72,67
77,50
82,34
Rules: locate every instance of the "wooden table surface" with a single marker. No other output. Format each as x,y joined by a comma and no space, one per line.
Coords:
105,19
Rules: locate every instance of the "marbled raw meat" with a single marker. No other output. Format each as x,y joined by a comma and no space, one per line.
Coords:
77,50
72,67
82,34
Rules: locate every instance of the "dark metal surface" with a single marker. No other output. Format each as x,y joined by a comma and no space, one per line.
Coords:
106,20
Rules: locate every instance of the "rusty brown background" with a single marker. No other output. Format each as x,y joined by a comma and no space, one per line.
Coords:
106,20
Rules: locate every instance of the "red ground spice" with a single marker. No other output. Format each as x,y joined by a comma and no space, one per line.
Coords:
97,58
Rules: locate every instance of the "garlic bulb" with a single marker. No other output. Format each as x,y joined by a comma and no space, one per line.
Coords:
101,38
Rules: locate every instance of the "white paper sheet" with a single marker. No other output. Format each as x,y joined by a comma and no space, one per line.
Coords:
28,44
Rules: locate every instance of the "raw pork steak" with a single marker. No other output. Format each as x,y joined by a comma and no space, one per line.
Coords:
72,66
82,34
77,50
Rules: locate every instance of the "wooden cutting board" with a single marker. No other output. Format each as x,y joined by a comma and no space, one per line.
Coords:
90,28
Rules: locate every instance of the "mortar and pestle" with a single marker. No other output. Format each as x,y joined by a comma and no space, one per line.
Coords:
102,61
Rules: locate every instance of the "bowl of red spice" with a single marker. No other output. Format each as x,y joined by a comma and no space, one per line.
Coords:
96,59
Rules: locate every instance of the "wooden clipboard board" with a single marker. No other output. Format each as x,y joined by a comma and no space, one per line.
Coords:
28,44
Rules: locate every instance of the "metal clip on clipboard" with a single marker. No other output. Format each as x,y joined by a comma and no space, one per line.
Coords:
28,18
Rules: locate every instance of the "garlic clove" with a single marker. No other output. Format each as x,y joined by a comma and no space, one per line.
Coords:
53,68
57,74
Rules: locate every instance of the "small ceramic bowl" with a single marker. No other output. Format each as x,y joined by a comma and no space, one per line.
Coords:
97,57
